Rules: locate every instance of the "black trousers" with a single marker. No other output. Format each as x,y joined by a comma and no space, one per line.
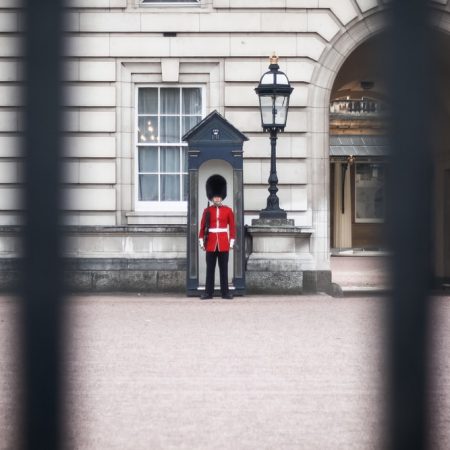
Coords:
211,258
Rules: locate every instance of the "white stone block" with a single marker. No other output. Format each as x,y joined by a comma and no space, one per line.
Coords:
88,96
299,146
365,5
11,96
288,146
100,121
71,70
342,9
289,171
71,121
299,70
258,4
98,172
239,70
89,199
89,219
297,121
170,70
164,244
8,22
71,172
322,23
241,95
97,70
274,244
117,3
10,147
11,218
230,22
10,246
302,3
287,22
10,172
180,22
254,45
299,198
244,120
200,46
9,121
11,199
11,4
9,71
255,197
140,46
10,46
88,3
100,22
90,146
299,96
221,3
310,46
253,172
87,46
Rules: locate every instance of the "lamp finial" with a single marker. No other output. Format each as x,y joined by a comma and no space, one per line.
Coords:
274,58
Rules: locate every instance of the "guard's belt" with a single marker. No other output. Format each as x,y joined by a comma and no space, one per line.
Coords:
218,230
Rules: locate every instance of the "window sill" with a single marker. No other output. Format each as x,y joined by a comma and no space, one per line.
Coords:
156,218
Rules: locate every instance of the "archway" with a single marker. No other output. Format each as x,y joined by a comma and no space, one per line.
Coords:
320,95
358,151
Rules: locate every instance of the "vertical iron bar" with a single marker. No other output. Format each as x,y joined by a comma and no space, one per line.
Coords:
42,273
409,221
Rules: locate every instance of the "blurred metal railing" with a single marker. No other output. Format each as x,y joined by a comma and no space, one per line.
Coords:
42,288
41,285
409,220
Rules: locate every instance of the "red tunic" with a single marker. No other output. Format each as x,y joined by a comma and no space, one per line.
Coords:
221,228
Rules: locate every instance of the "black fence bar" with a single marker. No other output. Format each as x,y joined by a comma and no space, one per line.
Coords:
410,212
41,287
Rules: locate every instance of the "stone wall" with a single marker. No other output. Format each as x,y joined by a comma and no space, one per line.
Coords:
112,46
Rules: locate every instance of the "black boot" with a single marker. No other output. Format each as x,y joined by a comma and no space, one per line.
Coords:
205,296
228,296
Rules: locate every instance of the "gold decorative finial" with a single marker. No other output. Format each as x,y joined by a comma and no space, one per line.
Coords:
274,58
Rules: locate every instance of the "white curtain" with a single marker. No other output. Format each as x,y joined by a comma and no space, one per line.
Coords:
342,221
178,110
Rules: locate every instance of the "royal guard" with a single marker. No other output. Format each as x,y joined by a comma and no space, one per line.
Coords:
217,235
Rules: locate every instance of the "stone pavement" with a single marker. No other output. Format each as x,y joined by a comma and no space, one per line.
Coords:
170,372
359,275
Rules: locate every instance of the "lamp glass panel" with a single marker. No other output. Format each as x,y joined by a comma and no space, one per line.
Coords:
266,104
282,79
268,78
281,104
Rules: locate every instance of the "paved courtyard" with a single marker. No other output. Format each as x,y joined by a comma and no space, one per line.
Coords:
169,372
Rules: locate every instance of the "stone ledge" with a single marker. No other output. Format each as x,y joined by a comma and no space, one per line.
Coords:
281,283
111,229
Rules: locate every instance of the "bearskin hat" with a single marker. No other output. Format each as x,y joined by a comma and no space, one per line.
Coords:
216,186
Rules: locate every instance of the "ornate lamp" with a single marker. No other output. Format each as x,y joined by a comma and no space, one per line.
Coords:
274,91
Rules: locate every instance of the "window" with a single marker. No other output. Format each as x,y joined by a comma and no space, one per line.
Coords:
165,114
370,192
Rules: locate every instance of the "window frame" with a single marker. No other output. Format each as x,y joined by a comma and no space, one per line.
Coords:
159,206
374,219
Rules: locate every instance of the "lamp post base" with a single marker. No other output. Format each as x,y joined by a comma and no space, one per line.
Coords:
273,214
273,221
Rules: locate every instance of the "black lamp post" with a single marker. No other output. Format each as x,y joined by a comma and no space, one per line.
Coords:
273,91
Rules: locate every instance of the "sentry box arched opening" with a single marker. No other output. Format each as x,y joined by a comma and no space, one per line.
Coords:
215,161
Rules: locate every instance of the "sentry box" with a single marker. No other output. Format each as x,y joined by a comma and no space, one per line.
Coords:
214,155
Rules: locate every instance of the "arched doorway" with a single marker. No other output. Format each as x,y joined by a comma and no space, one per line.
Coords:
358,152
326,75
